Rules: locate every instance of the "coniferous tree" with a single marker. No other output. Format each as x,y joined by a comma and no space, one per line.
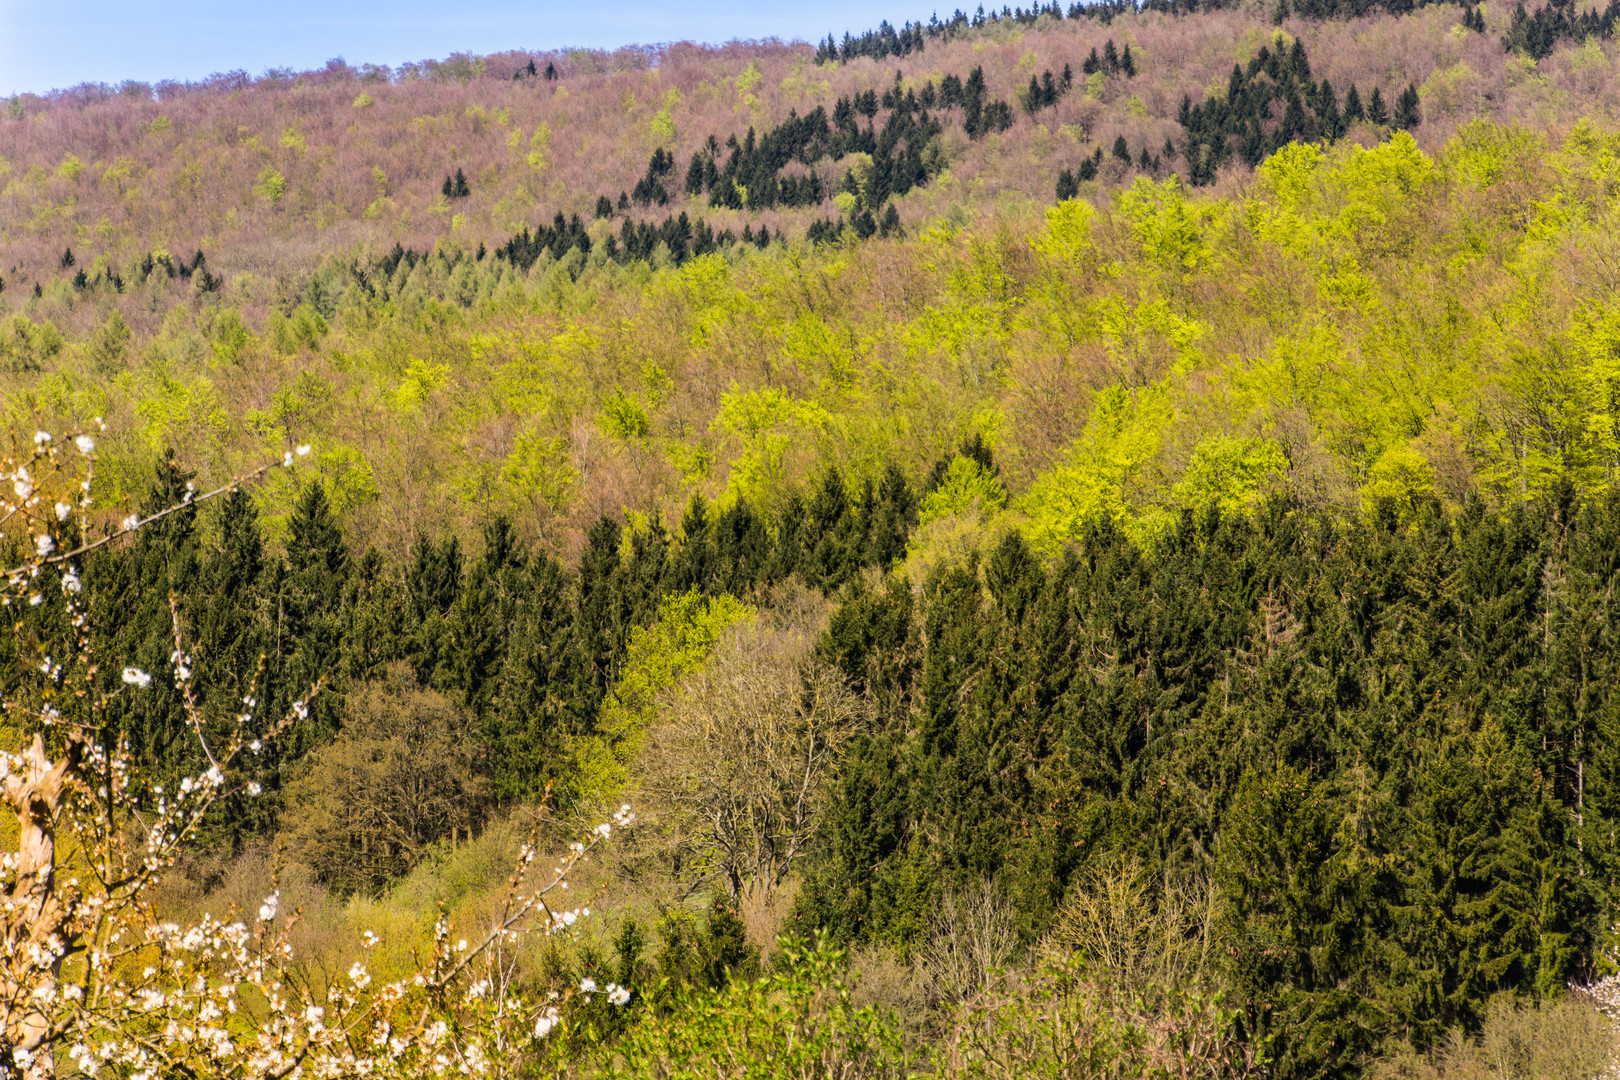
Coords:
137,586
1377,113
1408,113
1092,64
1353,111
309,599
1067,186
461,189
604,207
1121,150
1127,63
1327,111
67,258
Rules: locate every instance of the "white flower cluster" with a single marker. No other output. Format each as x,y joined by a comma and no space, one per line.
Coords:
616,994
217,996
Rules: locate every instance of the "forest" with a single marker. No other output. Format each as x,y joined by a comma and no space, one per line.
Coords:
1070,542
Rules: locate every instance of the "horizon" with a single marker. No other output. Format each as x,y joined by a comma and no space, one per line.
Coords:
49,51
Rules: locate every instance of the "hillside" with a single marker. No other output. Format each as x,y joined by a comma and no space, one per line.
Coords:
1108,516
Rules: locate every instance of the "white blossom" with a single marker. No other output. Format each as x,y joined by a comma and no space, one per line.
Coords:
85,444
587,986
44,544
267,910
137,677
617,994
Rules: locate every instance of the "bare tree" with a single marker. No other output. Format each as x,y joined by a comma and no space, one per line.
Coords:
738,772
399,776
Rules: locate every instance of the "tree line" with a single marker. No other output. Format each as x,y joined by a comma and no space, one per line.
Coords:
1387,742
521,648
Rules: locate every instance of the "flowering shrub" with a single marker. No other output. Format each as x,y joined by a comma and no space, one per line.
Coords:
94,980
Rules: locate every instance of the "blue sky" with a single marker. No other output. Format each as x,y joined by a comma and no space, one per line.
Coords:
49,44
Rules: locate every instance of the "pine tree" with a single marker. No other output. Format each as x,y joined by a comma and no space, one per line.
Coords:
889,225
461,189
533,711
1092,64
1327,111
1067,186
1121,150
1376,112
137,586
604,207
696,564
1111,57
67,258
1408,114
1297,62
1353,111
309,600
1127,63
448,188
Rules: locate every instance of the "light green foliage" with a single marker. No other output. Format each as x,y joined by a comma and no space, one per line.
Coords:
1168,225
663,122
110,346
688,626
303,329
230,336
801,1021
769,427
1401,474
1101,471
270,185
966,487
812,345
1066,236
26,346
538,476
422,378
624,418
348,477
1229,474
